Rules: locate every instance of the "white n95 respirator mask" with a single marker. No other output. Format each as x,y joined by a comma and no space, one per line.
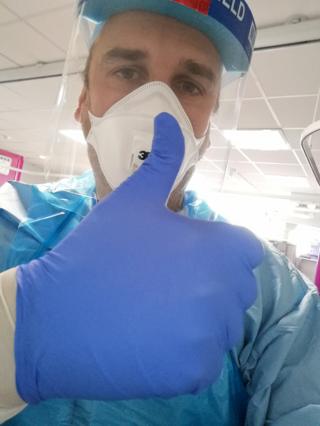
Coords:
122,137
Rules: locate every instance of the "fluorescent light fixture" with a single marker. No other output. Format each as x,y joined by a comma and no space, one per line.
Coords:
262,140
288,181
74,134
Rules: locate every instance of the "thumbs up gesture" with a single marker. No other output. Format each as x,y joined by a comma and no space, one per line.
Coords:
137,301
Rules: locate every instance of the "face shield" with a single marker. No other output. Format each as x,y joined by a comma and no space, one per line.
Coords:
131,61
310,143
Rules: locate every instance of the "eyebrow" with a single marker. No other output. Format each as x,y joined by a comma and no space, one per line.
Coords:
126,54
199,70
190,65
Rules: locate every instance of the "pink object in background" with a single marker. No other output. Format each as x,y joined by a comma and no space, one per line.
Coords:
317,277
7,160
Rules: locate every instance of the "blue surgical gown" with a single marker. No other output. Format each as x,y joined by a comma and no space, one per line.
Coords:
270,378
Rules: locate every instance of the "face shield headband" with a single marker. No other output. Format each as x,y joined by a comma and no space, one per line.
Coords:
67,154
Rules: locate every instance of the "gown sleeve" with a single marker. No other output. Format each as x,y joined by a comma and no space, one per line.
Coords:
279,357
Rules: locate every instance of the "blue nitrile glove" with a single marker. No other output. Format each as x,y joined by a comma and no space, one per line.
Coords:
137,301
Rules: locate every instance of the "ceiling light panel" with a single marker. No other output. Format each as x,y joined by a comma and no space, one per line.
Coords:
75,135
260,139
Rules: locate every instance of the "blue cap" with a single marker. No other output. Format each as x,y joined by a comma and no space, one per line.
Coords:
229,24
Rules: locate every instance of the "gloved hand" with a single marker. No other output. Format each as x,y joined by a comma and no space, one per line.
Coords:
137,301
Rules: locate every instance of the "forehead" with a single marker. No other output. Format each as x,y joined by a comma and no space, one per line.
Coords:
158,34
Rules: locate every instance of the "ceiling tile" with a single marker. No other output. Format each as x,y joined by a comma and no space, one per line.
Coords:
279,157
281,185
251,89
40,93
210,166
283,170
243,167
236,155
294,112
237,182
301,156
5,63
47,25
26,136
3,123
73,90
311,177
255,114
31,7
25,148
226,117
217,139
26,119
293,137
229,91
217,154
294,70
223,154
10,100
23,45
211,179
318,108
274,12
6,16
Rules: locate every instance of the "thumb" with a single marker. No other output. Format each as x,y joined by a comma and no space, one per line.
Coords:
154,180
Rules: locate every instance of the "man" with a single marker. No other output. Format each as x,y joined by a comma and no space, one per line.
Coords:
262,377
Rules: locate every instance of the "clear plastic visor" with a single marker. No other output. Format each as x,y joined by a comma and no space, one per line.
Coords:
129,52
117,66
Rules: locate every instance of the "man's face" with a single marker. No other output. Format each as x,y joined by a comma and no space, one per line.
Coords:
135,48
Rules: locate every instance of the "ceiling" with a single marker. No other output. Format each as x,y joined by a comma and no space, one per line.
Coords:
282,92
